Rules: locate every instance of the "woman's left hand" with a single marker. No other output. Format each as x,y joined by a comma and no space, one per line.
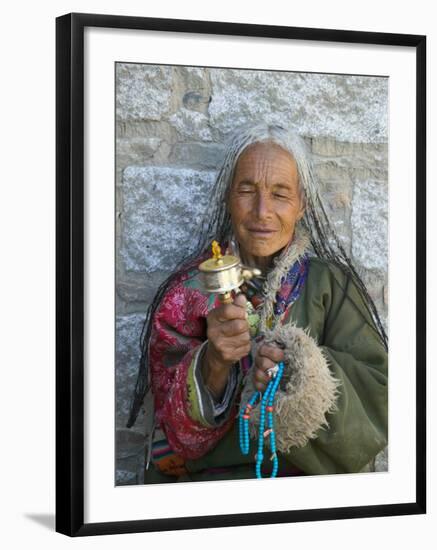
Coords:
267,357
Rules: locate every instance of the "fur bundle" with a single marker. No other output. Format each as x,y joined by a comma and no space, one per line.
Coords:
309,391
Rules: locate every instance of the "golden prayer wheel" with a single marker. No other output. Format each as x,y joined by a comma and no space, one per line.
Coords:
223,274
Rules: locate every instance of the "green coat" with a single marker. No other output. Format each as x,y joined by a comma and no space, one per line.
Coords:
339,325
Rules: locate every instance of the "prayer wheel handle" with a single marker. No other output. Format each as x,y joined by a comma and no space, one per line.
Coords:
226,298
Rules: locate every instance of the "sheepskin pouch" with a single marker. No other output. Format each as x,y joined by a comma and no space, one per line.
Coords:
307,393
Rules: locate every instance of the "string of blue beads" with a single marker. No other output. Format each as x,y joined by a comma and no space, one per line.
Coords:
266,409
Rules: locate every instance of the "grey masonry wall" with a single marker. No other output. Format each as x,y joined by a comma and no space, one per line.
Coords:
171,127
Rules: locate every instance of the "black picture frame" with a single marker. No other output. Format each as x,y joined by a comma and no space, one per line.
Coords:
70,272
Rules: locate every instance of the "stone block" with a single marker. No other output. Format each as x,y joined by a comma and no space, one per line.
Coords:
134,287
149,129
130,457
192,88
344,107
359,161
127,356
125,477
143,92
129,443
331,147
330,171
370,224
144,147
202,155
195,101
191,124
192,78
163,207
136,150
335,187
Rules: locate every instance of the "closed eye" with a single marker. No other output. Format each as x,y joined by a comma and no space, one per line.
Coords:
280,196
246,188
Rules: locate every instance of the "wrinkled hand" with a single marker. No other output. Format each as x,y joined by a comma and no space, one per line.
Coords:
228,342
268,355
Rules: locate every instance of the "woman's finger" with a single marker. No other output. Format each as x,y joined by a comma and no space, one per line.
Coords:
261,377
264,363
235,328
271,352
228,312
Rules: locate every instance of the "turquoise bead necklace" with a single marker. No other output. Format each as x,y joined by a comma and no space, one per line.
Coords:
266,409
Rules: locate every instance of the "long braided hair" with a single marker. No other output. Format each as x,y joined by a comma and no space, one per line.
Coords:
216,225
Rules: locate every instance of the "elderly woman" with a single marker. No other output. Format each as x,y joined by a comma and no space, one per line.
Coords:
309,310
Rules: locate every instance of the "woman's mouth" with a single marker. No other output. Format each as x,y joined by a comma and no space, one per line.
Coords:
261,232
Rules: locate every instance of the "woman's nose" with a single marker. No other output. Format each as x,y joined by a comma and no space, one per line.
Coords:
263,206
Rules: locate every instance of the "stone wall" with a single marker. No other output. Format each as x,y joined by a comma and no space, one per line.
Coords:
171,126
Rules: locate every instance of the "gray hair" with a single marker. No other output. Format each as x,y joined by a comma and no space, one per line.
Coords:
217,226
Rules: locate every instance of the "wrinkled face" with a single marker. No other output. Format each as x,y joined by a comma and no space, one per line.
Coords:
264,200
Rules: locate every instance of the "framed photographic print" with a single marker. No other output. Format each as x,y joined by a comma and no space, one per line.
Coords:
240,274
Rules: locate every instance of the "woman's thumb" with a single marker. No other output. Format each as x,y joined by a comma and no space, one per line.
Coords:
240,300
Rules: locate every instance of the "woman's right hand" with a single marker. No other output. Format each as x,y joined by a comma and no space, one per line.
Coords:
228,342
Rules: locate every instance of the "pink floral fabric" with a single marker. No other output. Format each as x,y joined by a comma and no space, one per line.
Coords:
178,329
